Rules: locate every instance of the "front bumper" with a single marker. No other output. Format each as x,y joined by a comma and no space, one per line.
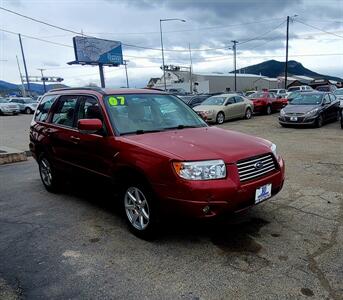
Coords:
10,111
193,198
300,120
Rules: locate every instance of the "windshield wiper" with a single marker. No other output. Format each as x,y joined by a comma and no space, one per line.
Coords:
181,126
142,131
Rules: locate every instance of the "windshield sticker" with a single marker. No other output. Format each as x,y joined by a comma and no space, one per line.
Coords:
115,101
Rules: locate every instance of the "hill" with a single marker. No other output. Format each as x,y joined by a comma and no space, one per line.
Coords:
8,88
274,68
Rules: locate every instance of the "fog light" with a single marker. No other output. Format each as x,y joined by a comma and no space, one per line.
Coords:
206,209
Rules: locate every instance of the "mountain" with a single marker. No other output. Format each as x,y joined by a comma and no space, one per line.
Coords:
7,87
274,68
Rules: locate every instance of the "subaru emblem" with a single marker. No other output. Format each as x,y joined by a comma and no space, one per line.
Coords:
259,165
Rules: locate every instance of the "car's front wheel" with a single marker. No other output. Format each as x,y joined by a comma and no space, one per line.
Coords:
248,113
269,110
220,118
139,210
48,174
320,121
28,110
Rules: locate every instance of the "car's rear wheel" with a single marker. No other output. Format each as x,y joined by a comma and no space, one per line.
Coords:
248,113
269,110
48,175
28,110
320,121
139,207
220,118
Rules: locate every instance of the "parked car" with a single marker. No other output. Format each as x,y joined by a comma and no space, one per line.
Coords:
194,100
218,109
341,111
313,108
161,157
326,88
300,88
7,108
26,105
248,93
279,93
266,102
177,91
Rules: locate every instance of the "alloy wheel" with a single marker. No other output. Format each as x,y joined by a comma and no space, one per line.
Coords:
137,208
248,113
220,118
46,173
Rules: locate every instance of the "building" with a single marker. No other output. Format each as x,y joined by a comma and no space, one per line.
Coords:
214,82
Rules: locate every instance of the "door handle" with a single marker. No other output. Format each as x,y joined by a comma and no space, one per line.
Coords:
75,139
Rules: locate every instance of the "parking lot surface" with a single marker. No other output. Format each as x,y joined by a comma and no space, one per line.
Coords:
76,245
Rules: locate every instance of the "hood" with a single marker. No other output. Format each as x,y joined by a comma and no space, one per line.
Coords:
9,105
299,108
203,143
208,107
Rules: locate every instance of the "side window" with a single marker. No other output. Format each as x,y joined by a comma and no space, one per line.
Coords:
231,100
44,107
89,109
327,99
238,99
65,111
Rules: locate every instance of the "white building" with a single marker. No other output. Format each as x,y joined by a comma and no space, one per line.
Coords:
215,82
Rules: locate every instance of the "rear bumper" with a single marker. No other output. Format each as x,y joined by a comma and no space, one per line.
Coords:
210,199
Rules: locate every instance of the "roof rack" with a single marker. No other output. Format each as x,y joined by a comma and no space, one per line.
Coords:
93,88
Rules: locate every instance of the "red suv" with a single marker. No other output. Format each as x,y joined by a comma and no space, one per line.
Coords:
267,102
160,155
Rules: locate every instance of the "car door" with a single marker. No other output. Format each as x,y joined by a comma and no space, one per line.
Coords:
240,106
229,108
334,108
327,107
93,152
62,131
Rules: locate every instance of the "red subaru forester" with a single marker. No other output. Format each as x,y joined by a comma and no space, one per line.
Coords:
156,150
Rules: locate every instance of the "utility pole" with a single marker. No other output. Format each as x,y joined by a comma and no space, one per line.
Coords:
127,78
163,66
190,69
43,79
25,68
21,79
286,64
234,61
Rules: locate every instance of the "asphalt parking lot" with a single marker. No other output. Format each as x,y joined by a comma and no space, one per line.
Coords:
75,244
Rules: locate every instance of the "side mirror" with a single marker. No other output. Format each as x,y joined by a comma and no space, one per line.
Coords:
89,125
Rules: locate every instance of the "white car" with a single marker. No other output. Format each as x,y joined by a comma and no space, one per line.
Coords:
300,88
26,105
339,95
7,108
281,93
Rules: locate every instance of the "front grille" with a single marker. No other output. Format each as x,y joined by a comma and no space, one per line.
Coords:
294,114
255,167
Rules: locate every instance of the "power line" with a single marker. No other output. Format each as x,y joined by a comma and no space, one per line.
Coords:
327,32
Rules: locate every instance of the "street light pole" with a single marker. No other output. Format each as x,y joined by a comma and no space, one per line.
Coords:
286,64
234,62
25,68
163,64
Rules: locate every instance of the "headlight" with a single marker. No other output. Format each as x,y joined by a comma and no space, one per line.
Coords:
312,112
208,112
273,149
282,113
201,170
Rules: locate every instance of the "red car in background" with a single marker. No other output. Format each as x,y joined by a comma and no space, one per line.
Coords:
267,102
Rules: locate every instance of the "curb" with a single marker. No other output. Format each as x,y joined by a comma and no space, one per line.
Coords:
11,155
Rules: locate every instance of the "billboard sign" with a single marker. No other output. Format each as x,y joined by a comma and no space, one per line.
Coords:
91,50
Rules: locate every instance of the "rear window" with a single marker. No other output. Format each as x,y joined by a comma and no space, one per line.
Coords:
323,88
295,88
44,108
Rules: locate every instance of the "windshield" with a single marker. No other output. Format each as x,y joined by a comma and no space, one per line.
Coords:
309,99
140,113
257,95
339,92
30,101
214,101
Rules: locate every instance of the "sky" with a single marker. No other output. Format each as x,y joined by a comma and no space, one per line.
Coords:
316,36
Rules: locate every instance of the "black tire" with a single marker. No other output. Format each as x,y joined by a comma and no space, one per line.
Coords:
220,118
284,125
320,121
268,110
28,110
248,113
50,179
140,214
1,113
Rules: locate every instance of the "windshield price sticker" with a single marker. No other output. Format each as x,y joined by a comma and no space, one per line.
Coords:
116,101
